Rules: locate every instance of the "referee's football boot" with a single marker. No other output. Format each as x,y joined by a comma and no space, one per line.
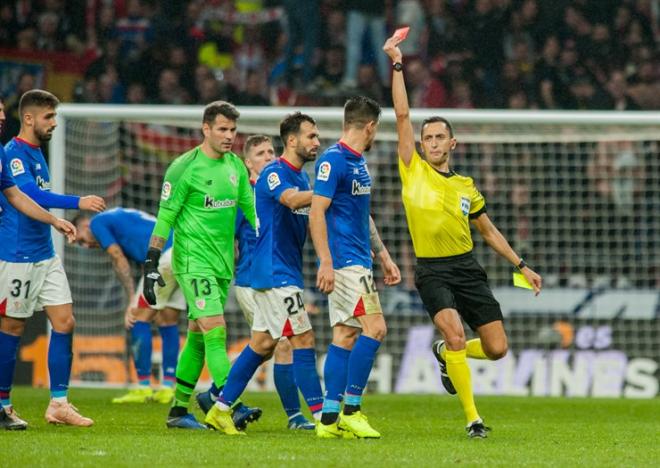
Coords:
358,424
477,430
444,377
10,421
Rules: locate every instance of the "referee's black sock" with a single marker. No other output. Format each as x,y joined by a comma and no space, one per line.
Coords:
350,409
329,418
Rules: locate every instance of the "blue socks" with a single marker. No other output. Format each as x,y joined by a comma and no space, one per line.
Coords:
170,350
307,378
360,363
59,363
141,347
240,374
335,374
8,354
286,387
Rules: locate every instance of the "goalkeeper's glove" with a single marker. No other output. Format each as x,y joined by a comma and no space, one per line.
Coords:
151,275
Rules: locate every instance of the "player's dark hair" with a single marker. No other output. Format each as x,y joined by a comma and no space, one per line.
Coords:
224,108
359,111
435,119
290,125
254,140
37,98
79,217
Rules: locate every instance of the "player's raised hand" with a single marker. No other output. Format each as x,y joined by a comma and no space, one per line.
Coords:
533,278
391,48
325,278
66,228
92,203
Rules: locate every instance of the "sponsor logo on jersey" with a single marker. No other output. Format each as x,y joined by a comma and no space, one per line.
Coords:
166,192
16,166
465,205
304,211
359,189
210,202
42,183
324,171
233,180
273,180
200,304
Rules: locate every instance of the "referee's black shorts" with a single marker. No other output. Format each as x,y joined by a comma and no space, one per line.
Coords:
459,283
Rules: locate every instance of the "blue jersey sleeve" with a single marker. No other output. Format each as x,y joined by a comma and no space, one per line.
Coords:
329,171
6,180
276,182
100,227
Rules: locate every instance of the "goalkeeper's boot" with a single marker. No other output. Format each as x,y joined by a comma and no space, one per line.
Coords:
358,424
444,376
186,421
204,401
243,414
332,431
477,430
298,421
10,421
136,395
165,395
65,413
221,421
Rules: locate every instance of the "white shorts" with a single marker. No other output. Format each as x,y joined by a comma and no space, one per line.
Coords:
245,299
168,296
281,312
354,295
26,287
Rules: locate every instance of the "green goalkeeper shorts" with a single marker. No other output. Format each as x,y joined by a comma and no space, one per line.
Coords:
205,294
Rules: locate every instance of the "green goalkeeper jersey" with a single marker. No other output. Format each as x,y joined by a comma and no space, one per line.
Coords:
199,199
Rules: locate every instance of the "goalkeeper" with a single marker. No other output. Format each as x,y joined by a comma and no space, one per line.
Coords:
200,195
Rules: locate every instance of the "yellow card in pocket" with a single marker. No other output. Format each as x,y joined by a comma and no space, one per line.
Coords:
520,281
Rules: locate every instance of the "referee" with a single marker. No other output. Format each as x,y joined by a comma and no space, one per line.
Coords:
439,203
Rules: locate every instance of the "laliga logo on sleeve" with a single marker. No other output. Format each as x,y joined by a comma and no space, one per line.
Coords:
16,167
167,190
273,180
465,205
324,171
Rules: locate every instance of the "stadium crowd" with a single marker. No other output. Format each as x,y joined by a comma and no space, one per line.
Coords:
567,54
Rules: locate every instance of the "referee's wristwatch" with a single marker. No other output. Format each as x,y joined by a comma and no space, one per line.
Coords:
522,264
397,66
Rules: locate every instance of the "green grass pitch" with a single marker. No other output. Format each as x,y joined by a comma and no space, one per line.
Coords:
417,431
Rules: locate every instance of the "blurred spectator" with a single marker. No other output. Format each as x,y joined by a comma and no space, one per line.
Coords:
365,16
587,95
252,95
136,94
26,82
331,72
133,30
618,89
368,83
9,27
303,28
170,90
423,89
410,13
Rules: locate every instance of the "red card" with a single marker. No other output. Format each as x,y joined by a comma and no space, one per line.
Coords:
402,33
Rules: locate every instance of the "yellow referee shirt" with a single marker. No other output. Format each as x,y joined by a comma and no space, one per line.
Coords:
438,208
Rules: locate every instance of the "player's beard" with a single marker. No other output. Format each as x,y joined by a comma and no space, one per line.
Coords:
306,155
42,135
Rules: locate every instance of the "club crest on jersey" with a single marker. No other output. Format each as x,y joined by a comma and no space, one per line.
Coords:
465,205
166,192
324,171
200,304
273,180
233,180
16,166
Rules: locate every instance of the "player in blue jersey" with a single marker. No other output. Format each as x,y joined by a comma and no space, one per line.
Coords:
283,195
31,275
257,152
124,234
344,236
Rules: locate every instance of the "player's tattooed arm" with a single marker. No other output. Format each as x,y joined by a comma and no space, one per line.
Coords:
122,269
376,243
157,242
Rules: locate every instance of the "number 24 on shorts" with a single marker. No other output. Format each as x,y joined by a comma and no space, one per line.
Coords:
294,303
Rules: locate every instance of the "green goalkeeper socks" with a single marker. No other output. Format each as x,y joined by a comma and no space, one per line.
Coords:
217,361
189,368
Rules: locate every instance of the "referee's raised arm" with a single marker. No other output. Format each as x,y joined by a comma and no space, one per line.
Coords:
404,126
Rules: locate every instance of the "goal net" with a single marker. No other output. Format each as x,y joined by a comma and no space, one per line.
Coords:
576,194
